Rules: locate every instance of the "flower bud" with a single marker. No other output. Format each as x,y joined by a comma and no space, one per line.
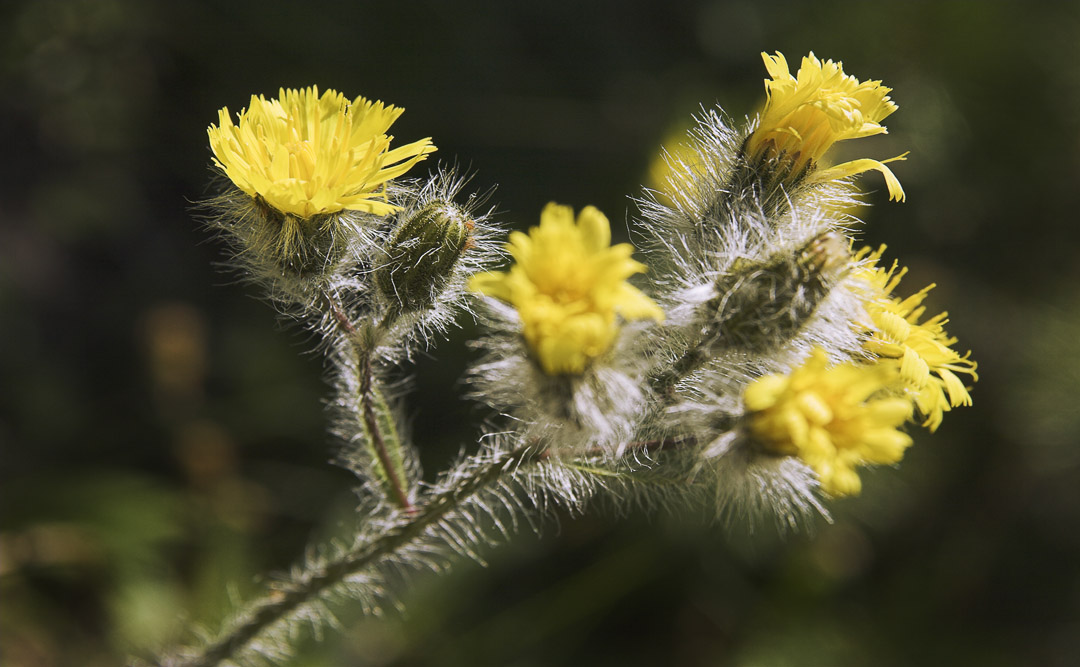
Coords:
422,255
764,305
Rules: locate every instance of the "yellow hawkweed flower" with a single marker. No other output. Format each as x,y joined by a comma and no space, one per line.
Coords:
306,154
805,115
920,353
829,418
568,284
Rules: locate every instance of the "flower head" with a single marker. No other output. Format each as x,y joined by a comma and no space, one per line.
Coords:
805,115
307,154
919,353
568,284
830,418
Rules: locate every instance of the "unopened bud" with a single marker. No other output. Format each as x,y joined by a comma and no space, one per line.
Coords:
761,306
422,255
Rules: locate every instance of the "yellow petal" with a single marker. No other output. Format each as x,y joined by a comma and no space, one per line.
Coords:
896,191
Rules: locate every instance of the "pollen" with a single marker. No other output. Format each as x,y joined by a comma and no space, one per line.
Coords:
307,154
569,286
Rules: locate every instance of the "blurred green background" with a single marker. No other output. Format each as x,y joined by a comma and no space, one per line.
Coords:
162,437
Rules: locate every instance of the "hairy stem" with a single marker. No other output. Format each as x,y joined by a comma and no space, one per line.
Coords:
658,445
312,582
369,404
339,315
698,353
367,400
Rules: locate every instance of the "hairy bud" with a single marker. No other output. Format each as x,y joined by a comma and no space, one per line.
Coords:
422,254
764,305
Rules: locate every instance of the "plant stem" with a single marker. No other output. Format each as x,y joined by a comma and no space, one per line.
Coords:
659,445
339,315
367,400
313,582
699,353
694,357
398,494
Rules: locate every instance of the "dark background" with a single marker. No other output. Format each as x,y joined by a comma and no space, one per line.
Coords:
162,437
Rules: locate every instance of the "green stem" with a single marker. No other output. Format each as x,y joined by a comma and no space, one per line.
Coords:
698,353
371,405
313,582
371,423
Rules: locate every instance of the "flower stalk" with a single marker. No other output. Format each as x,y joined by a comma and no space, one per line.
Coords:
379,433
382,435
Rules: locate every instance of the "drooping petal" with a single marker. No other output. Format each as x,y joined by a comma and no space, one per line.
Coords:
919,353
896,191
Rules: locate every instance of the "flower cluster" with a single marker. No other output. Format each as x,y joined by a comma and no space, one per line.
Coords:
763,365
372,264
815,358
837,418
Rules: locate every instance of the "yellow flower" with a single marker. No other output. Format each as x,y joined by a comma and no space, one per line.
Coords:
805,115
306,154
829,418
568,284
919,353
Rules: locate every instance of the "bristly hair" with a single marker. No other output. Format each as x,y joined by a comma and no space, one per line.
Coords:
600,408
291,272
331,283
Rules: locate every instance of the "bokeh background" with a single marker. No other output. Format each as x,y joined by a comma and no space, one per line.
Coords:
162,437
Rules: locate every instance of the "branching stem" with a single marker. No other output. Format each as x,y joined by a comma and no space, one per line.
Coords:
339,315
314,581
399,494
